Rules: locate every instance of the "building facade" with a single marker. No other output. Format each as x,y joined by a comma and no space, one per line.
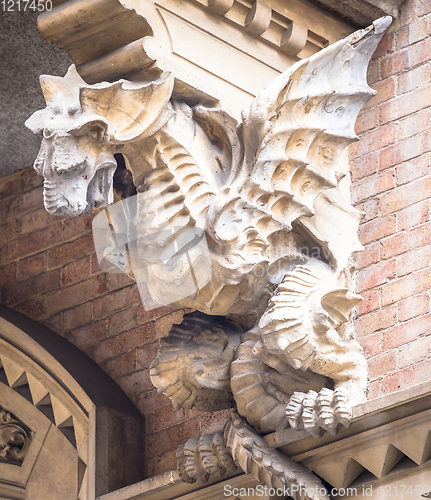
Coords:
219,53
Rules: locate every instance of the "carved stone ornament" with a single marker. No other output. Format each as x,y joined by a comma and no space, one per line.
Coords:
248,225
14,438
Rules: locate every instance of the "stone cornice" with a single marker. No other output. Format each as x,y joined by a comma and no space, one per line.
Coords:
362,12
236,50
389,437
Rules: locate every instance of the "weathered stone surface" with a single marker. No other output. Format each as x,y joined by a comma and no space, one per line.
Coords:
267,195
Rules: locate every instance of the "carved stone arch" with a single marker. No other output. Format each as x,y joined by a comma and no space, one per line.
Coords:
67,431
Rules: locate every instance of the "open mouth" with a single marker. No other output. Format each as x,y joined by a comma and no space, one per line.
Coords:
100,190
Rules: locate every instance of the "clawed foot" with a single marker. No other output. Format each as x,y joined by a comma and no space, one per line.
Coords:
316,412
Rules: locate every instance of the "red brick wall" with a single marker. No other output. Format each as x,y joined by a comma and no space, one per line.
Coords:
392,185
49,271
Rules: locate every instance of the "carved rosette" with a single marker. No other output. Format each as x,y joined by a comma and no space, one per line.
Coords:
14,438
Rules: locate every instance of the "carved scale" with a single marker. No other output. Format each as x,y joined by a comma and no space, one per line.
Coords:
271,333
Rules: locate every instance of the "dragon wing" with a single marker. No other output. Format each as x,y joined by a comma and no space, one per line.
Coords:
295,137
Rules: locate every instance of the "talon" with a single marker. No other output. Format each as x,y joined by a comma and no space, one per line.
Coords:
342,410
317,412
294,410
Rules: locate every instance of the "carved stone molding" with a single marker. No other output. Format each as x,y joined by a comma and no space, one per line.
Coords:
14,438
52,400
230,60
387,436
362,12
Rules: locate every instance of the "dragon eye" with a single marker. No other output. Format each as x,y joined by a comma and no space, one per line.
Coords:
97,133
47,134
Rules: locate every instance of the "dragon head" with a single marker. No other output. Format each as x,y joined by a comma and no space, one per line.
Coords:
83,126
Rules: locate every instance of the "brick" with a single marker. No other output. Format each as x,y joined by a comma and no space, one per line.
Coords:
146,355
33,308
147,401
374,389
164,324
8,274
373,73
413,79
369,255
30,244
77,226
38,219
419,53
158,465
31,266
162,418
405,150
122,321
376,275
371,209
63,254
152,314
412,216
415,374
78,316
136,382
214,422
386,45
95,268
370,302
10,186
405,104
407,332
382,364
413,169
367,120
375,321
377,229
114,301
413,307
114,281
385,90
30,179
10,231
413,261
23,203
375,184
414,124
54,323
412,33
374,141
391,383
404,287
75,271
394,64
120,366
162,442
124,342
402,242
19,291
404,196
73,295
423,7
88,334
364,166
372,344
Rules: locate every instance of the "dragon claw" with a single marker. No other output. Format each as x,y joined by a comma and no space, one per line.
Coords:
317,412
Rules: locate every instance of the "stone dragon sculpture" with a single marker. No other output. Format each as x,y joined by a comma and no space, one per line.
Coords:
271,332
